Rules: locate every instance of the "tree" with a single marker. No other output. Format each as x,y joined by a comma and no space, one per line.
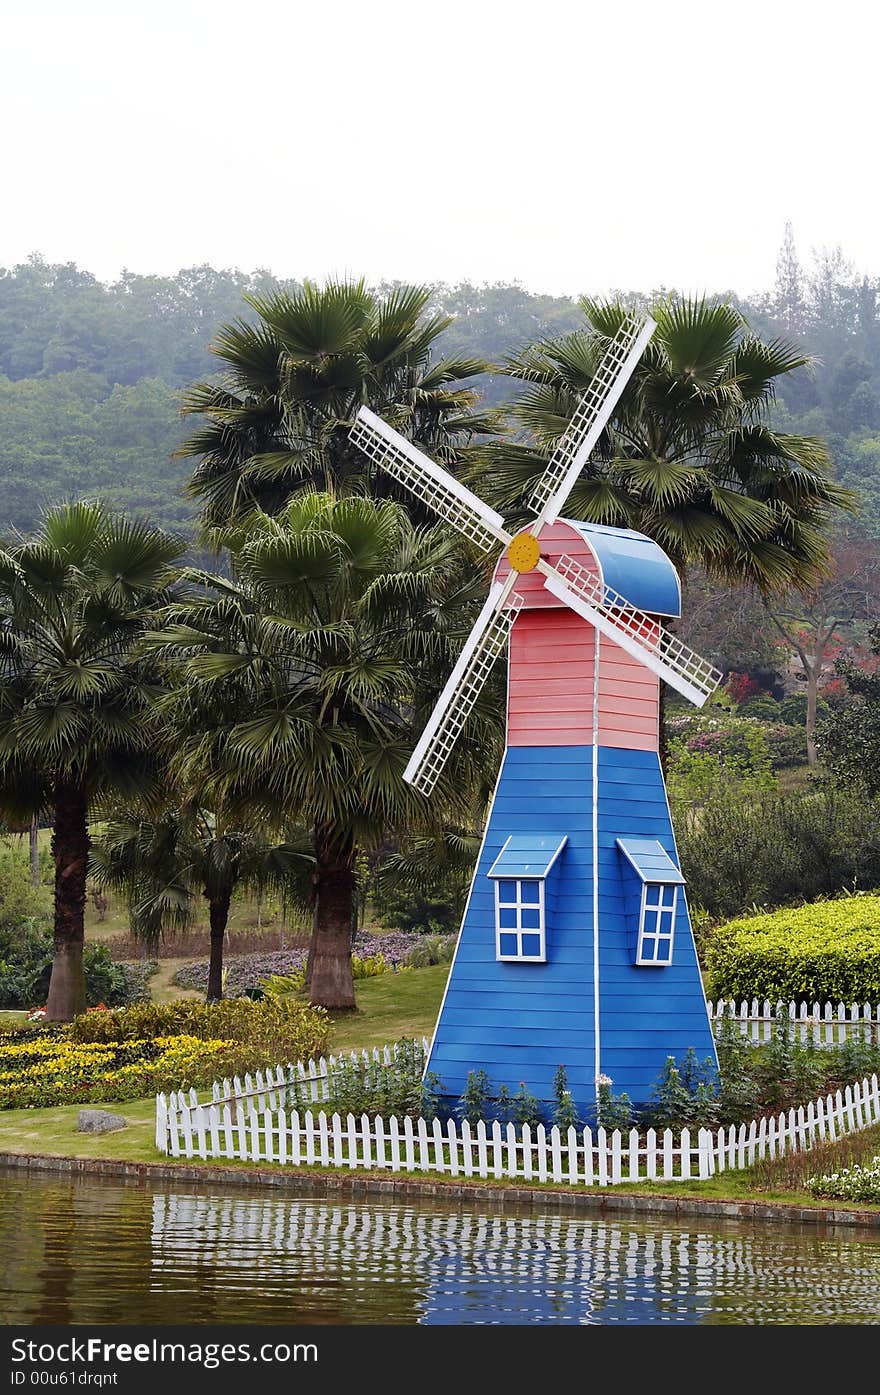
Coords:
163,864
848,738
75,698
307,680
278,422
809,623
689,457
788,299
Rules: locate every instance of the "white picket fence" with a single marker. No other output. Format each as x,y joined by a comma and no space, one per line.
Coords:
305,1082
823,1024
238,1129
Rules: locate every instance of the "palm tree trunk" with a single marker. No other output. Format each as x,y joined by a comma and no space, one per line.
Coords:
218,915
331,984
70,852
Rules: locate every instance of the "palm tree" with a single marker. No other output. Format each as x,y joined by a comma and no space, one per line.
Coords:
690,456
75,699
164,864
307,680
278,420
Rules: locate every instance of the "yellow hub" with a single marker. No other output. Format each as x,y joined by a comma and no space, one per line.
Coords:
523,552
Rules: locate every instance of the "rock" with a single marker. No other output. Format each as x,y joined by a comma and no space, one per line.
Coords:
99,1121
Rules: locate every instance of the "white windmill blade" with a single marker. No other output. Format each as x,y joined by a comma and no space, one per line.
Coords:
484,644
635,631
428,481
590,418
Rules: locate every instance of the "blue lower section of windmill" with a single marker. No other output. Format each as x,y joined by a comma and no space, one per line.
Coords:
519,1021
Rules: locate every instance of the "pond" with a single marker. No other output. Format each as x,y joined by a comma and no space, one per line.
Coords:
107,1250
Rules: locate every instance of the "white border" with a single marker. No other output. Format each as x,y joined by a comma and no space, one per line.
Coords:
658,934
519,930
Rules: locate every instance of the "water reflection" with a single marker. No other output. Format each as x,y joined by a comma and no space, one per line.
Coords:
106,1250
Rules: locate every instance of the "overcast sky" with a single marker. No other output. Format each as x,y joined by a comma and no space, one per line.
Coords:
568,147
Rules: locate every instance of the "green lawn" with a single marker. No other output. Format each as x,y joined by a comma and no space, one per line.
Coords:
390,1006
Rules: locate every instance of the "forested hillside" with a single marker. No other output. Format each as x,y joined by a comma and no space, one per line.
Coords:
91,374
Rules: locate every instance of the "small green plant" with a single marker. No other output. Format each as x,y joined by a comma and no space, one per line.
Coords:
857,1058
372,1087
369,967
475,1097
432,1097
281,1028
738,1093
503,1105
431,949
283,985
526,1107
565,1115
612,1111
670,1103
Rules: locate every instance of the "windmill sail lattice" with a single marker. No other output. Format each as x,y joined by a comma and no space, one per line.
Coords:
430,483
463,687
587,594
667,655
590,417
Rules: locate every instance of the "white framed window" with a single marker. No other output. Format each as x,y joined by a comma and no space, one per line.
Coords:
657,923
520,930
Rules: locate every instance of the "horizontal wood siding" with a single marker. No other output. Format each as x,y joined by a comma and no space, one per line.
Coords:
520,1021
646,1013
550,688
507,1018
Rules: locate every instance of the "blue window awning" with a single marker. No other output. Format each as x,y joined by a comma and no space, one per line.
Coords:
651,860
527,855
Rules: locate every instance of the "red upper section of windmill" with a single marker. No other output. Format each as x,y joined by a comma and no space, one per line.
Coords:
552,675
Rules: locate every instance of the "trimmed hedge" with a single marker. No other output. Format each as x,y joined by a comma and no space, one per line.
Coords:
828,951
283,1029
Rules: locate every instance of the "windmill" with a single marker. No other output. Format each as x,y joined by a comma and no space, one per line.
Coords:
576,946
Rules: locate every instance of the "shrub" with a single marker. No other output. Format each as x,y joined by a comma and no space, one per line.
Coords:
431,949
246,970
370,966
793,710
525,1107
27,968
716,756
612,1111
475,1099
682,1096
775,851
280,1028
787,746
761,706
371,1087
825,952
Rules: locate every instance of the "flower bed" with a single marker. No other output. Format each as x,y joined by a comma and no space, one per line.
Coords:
244,971
850,1183
50,1070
